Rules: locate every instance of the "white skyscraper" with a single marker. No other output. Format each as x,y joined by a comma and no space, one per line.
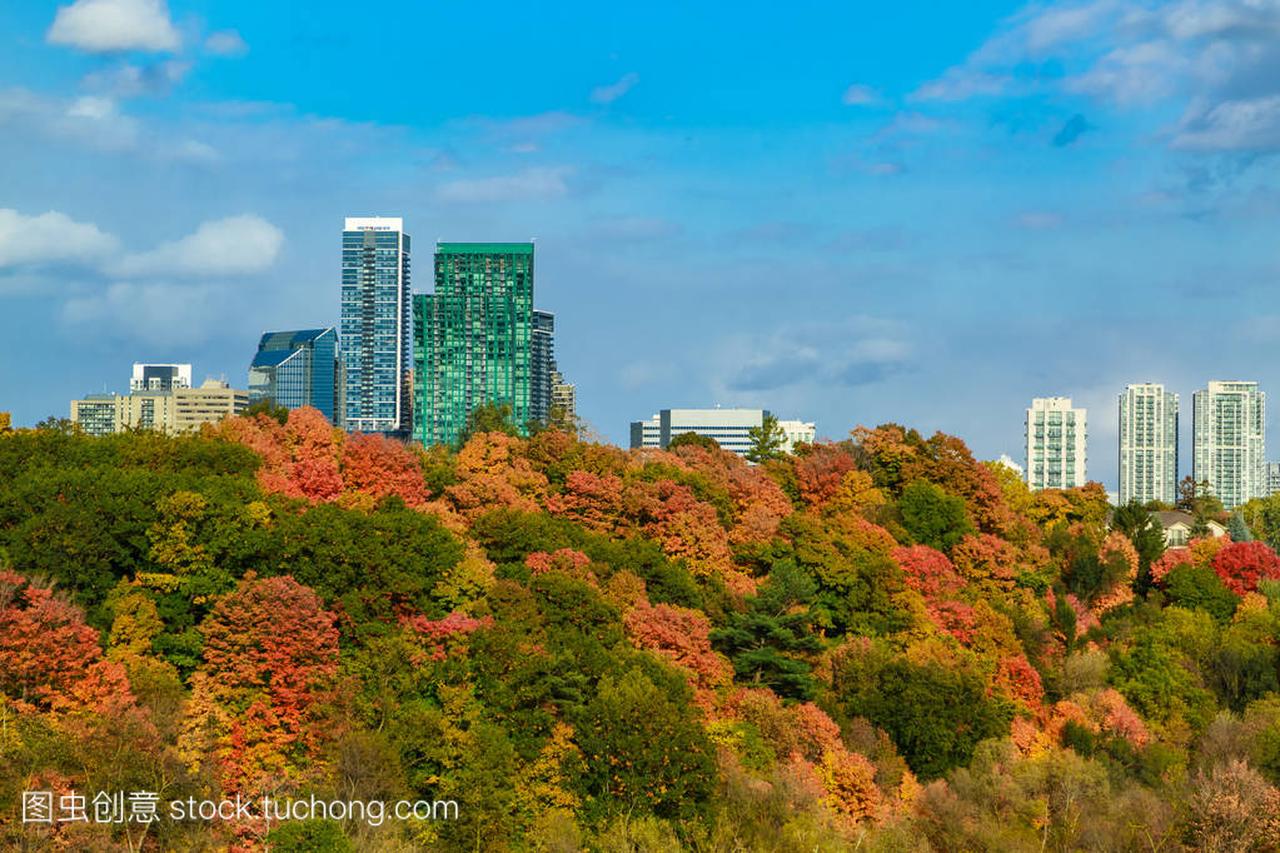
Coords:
1056,437
1229,435
1148,444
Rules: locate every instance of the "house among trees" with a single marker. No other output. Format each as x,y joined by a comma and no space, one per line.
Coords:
1178,527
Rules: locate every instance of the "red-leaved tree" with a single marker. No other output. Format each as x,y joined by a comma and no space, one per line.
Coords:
50,659
1242,564
258,699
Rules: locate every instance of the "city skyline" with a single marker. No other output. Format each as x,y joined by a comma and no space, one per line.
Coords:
886,231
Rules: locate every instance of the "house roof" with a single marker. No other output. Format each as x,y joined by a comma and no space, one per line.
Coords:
1170,517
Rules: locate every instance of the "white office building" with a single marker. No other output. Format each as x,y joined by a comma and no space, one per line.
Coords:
1229,438
1148,444
1056,434
797,432
729,427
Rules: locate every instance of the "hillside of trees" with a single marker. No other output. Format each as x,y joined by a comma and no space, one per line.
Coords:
875,644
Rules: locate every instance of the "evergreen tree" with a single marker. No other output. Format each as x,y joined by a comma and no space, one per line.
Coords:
763,641
1238,529
766,440
1143,529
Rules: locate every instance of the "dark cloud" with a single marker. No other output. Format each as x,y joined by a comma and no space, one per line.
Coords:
776,372
1073,129
858,373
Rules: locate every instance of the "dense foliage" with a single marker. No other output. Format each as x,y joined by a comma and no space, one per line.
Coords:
880,644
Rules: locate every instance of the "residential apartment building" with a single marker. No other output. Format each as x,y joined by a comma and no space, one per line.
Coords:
376,326
1148,444
1056,436
1229,440
473,338
564,398
542,363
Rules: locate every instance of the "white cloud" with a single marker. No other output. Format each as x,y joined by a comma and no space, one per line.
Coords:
107,26
959,84
91,120
158,313
226,43
1241,125
127,80
51,237
859,350
529,184
1133,74
1217,57
614,91
910,124
191,151
1057,25
859,95
237,245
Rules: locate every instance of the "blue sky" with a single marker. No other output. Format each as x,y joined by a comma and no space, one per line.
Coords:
918,212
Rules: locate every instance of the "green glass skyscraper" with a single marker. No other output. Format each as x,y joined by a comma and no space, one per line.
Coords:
473,338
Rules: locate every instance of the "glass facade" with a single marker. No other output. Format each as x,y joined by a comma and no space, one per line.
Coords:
297,368
1229,439
473,338
1148,444
376,326
543,357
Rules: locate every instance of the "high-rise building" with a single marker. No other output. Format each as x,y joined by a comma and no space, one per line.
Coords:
564,399
1273,478
296,369
730,428
159,377
96,413
6,421
473,338
542,357
175,411
208,404
1229,438
1148,444
376,326
1056,434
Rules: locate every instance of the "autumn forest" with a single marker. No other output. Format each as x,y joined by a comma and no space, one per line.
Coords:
878,644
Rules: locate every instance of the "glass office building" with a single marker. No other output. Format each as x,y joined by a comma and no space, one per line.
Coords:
376,326
297,368
473,338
